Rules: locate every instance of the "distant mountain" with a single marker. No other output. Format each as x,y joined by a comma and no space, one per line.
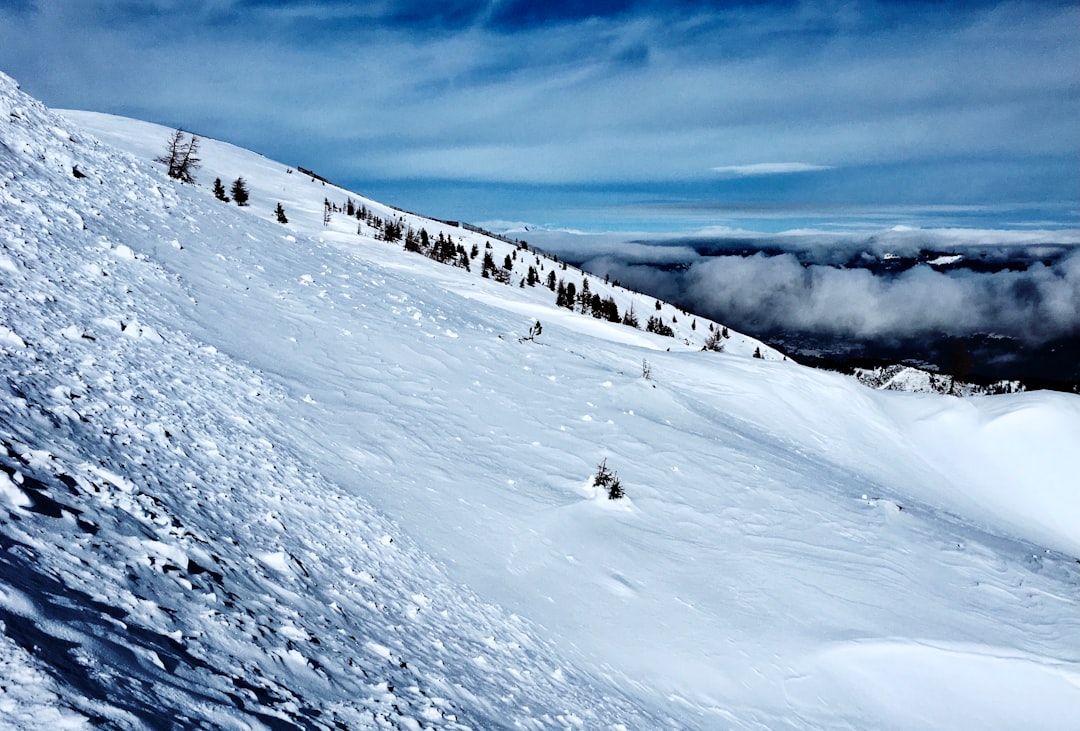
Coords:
327,474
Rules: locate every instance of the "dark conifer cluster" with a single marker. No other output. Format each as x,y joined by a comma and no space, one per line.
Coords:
608,480
181,157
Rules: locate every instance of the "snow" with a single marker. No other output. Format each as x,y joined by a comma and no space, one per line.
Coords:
946,260
293,476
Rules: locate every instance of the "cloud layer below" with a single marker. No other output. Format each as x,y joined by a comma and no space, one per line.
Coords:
832,284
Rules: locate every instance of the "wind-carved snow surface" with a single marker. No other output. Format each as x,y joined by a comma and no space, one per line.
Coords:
257,475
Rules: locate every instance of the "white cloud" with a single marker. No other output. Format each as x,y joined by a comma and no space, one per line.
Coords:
784,292
769,168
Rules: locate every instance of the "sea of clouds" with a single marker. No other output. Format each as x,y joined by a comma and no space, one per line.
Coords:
833,284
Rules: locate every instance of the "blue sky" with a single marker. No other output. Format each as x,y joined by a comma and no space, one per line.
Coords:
619,114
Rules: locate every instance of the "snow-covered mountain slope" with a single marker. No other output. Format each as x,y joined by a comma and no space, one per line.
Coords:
277,476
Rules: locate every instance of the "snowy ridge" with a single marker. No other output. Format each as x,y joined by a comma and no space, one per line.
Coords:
898,377
266,476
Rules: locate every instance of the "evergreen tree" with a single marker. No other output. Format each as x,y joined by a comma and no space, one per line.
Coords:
240,192
551,280
181,157
571,295
608,480
444,249
391,230
219,191
584,299
280,213
658,326
615,490
596,306
611,310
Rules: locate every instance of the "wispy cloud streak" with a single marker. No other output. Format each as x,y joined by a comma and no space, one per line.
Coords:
769,168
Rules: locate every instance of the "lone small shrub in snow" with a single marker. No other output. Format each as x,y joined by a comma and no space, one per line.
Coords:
280,213
534,333
609,481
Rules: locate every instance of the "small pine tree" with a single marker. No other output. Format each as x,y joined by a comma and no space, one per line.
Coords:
239,192
219,191
757,353
280,213
615,490
608,480
181,157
